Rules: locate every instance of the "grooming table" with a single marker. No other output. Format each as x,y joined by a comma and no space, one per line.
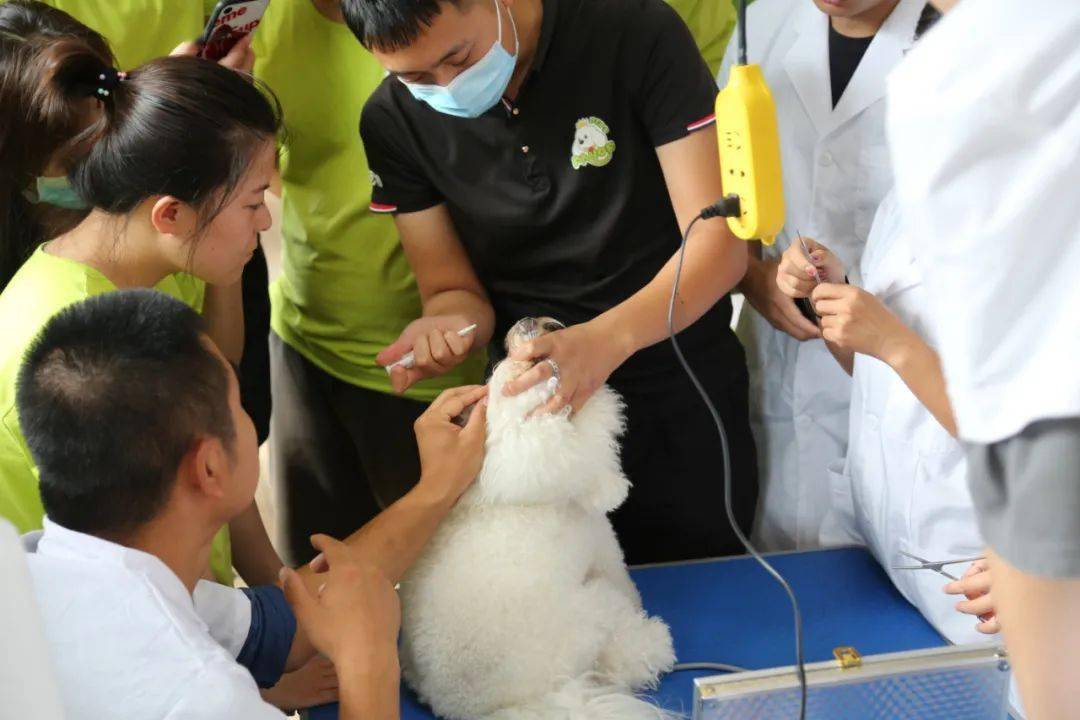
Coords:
730,611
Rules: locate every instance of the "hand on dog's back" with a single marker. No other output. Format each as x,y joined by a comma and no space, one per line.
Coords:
451,455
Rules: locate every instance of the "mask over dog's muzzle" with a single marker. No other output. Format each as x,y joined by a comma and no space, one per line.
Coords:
523,331
528,329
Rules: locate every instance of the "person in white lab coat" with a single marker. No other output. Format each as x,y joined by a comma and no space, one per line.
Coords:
903,484
836,171
984,127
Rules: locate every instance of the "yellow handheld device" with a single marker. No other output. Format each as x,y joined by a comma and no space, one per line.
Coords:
750,151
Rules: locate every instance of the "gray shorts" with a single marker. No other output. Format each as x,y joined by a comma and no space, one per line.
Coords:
1026,492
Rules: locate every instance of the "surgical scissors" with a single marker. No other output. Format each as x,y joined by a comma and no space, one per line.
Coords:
935,565
806,252
805,306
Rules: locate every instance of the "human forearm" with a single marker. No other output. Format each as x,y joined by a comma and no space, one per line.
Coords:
844,356
395,537
223,310
353,618
715,262
254,556
469,305
369,686
754,264
919,366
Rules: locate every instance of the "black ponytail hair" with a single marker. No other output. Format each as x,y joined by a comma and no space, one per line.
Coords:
39,116
177,126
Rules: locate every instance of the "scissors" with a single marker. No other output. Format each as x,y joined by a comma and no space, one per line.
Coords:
804,304
806,252
935,565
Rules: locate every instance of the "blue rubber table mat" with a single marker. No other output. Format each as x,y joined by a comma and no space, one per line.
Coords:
730,611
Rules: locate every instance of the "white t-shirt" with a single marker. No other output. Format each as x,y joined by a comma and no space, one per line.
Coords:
126,639
27,686
984,128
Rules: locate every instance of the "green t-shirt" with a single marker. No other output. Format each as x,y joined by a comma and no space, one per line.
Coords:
43,286
140,30
711,22
346,290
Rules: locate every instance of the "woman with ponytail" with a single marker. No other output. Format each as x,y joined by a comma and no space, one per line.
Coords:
36,199
171,161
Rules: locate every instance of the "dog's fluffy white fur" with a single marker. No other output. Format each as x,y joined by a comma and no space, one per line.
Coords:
521,607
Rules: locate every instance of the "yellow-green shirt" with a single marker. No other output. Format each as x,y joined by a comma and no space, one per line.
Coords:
43,286
140,30
346,290
711,22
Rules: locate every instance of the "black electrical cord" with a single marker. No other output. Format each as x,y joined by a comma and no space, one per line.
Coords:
719,667
725,207
742,32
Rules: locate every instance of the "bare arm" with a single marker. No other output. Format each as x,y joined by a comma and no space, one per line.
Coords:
452,295
223,310
371,690
758,286
254,556
354,619
845,357
450,458
390,542
919,366
395,538
447,282
715,259
856,321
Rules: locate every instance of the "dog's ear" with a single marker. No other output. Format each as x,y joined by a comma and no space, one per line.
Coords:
598,427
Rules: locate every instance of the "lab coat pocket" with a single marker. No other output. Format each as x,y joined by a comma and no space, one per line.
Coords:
941,526
839,526
874,178
941,520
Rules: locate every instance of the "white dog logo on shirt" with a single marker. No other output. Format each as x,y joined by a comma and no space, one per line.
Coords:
591,145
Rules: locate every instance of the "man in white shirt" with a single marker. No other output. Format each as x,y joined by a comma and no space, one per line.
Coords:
133,417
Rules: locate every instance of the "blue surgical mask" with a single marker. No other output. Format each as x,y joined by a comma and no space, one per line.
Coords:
56,191
477,89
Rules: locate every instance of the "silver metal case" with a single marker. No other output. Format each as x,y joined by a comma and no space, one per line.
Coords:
969,682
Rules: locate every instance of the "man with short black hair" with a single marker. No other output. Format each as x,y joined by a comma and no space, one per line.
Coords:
133,417
541,157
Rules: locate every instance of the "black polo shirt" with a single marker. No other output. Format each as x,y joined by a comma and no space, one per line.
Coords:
558,197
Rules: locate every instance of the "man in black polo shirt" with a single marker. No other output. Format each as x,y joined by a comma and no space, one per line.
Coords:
540,158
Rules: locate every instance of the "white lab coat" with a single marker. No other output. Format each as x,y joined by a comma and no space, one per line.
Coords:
984,122
903,485
836,170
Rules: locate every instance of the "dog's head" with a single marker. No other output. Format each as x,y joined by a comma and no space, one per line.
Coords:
540,459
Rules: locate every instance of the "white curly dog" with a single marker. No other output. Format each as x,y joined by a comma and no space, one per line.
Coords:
521,607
